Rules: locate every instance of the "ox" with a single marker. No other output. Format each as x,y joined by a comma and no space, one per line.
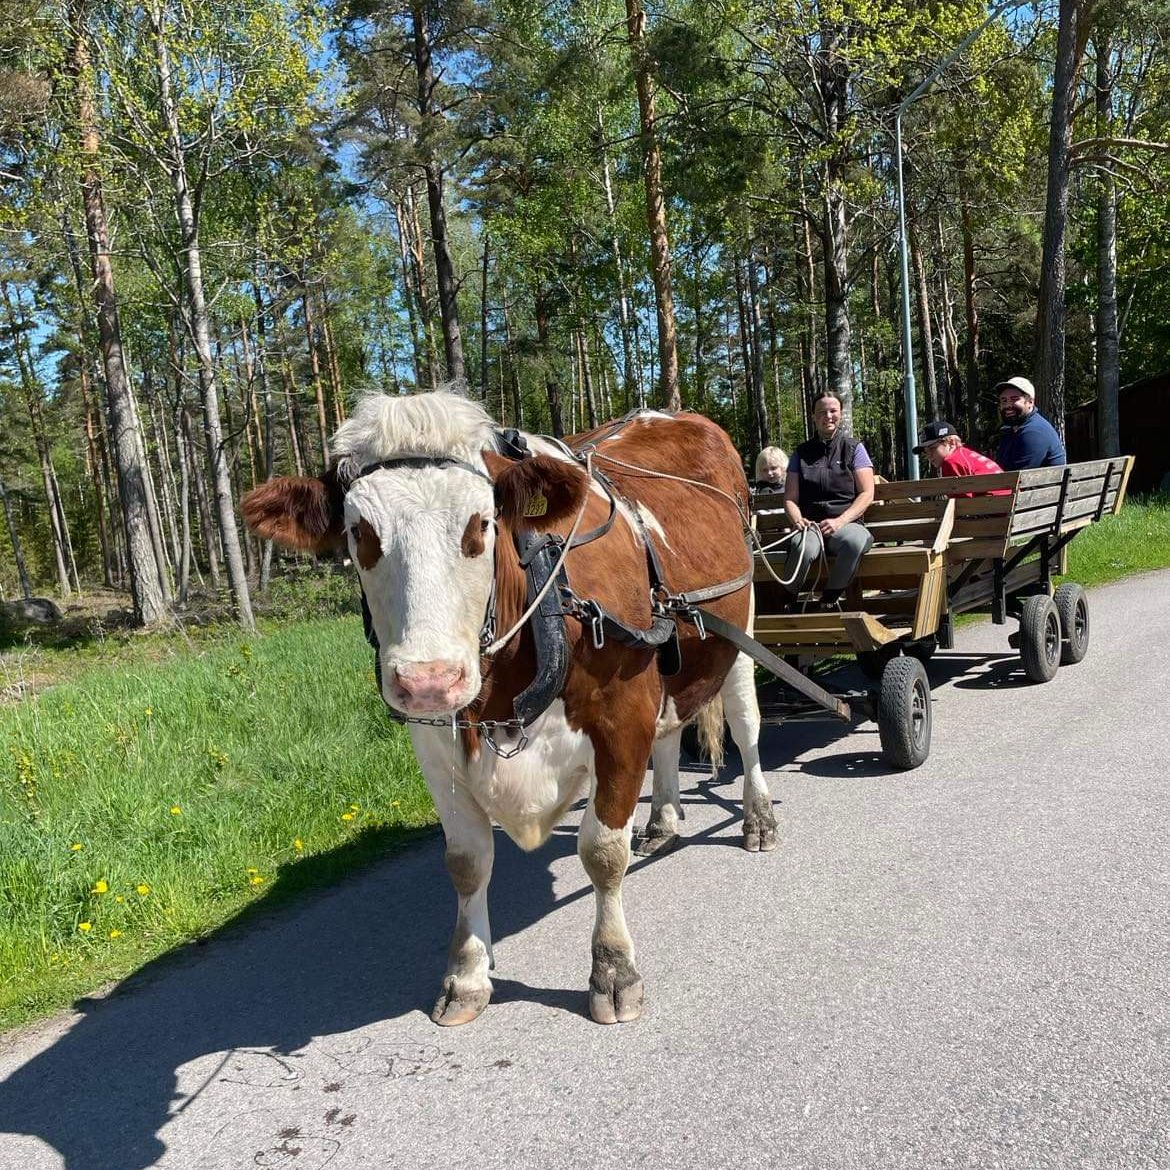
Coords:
432,513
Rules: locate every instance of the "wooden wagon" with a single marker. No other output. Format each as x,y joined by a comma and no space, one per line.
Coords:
941,547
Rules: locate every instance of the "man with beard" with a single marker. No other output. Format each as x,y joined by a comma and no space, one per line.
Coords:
1027,438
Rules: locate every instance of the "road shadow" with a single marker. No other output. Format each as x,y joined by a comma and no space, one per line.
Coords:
261,988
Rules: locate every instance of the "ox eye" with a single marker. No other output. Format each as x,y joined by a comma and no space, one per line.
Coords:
483,526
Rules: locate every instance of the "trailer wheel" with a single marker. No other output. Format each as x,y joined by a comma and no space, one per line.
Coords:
903,713
1072,607
1039,637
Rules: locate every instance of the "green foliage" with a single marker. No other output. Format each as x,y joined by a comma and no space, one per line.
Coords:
142,806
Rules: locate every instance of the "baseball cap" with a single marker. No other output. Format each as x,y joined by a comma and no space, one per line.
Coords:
932,432
1018,383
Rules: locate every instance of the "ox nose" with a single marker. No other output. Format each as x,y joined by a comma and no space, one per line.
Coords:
428,686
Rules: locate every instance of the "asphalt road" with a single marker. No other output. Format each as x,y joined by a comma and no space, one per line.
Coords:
966,965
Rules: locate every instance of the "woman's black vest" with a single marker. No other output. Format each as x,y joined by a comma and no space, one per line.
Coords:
827,486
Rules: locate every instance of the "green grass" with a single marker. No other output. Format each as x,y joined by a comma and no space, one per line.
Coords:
1136,540
155,799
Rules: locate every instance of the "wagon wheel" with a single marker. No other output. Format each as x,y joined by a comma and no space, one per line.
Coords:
1072,607
903,713
1039,637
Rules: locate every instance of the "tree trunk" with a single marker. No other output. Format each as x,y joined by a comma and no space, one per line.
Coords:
1108,374
832,77
925,332
94,460
207,527
971,343
513,372
669,397
444,265
146,576
631,386
587,378
1050,317
184,503
33,396
17,548
185,207
331,362
418,343
948,335
483,327
269,446
552,387
758,396
315,366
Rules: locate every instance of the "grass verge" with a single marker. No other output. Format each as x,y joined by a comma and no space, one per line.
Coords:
143,805
1136,540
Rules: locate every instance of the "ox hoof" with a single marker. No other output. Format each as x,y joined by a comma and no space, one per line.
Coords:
759,833
455,1006
653,841
615,987
619,1005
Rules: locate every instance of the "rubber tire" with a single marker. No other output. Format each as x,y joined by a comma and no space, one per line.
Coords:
1072,607
904,713
1040,640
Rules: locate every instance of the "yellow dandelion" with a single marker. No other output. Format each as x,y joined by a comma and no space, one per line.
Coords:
115,934
143,889
347,816
119,899
148,712
85,926
298,843
257,879
395,803
101,886
76,847
176,810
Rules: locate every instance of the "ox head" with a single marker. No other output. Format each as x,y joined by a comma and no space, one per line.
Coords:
419,497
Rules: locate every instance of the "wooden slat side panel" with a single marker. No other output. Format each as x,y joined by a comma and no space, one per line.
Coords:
931,488
908,510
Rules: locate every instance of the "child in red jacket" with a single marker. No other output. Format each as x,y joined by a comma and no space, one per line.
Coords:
945,451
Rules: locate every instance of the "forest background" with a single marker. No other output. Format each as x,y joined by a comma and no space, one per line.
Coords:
223,220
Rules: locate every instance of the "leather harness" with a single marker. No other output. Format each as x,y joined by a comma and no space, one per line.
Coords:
540,554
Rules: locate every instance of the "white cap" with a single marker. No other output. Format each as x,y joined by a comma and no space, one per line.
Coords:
1018,383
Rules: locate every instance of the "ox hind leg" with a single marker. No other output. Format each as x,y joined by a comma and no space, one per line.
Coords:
661,832
603,844
470,852
741,709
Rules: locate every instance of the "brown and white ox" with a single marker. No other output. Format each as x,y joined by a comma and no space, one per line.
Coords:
427,540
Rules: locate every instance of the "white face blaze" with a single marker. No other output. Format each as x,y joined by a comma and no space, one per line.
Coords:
427,582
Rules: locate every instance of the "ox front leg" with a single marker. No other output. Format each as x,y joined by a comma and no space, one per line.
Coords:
741,709
603,843
470,852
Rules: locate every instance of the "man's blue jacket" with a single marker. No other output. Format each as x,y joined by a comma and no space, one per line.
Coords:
1032,443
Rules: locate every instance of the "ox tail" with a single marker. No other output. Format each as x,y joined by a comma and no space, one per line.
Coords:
709,724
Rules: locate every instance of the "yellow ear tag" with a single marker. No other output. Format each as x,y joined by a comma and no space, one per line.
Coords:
537,506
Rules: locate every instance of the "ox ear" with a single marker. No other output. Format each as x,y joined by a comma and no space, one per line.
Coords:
298,512
537,493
